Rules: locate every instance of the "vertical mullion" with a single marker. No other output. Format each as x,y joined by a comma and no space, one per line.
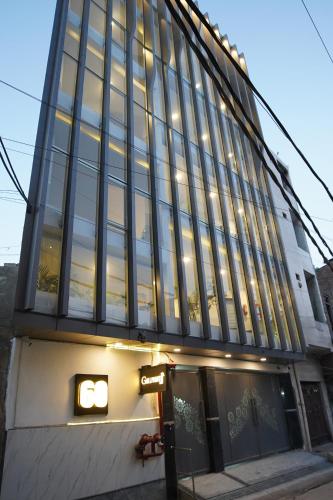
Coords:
218,278
72,171
195,218
230,72
157,246
239,222
103,178
227,234
131,234
265,253
31,240
258,270
278,242
165,47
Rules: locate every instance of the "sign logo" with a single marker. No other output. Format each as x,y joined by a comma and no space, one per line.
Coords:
153,379
91,395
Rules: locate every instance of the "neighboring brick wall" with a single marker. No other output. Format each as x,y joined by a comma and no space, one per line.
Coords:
325,281
8,279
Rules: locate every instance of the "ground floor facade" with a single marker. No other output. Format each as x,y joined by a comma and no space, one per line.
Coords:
67,439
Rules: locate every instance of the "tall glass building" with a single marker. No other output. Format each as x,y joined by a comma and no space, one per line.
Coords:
152,209
153,284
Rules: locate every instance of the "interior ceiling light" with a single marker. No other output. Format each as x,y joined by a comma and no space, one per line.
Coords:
228,355
135,347
263,360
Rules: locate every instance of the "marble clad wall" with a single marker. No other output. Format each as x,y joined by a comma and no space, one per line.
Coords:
72,462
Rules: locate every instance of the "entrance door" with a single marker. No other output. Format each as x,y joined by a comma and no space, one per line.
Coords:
251,416
315,413
190,423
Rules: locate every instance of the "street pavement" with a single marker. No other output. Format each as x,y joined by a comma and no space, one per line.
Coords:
324,492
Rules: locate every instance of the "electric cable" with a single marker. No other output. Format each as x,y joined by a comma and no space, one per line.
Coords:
200,56
12,174
224,192
213,76
165,179
248,81
54,107
318,32
238,101
220,90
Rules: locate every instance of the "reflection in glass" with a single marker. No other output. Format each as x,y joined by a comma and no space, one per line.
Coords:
92,99
169,268
208,264
83,267
190,266
144,263
227,287
96,40
116,276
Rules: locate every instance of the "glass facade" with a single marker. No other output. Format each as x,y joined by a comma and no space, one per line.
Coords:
152,185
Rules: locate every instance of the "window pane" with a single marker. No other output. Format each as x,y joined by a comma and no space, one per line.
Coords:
190,265
67,83
181,174
116,271
189,107
208,263
169,268
92,99
145,267
242,290
199,188
118,68
119,11
174,101
51,243
139,73
96,40
83,266
73,28
158,92
227,287
89,145
116,204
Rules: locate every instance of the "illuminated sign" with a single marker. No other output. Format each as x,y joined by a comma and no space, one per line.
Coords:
91,395
153,379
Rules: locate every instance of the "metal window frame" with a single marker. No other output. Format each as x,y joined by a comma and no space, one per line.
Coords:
166,53
33,224
207,331
67,243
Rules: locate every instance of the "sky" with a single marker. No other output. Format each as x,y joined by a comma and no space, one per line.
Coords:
286,62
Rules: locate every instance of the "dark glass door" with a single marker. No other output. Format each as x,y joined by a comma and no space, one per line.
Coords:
269,415
190,423
239,438
315,413
251,416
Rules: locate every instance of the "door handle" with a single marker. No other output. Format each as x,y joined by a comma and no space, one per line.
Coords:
254,411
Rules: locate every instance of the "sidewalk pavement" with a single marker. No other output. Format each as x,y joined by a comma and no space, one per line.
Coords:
271,478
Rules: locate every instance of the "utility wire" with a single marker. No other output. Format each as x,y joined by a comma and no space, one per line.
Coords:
12,174
241,125
257,93
222,93
318,32
224,96
165,179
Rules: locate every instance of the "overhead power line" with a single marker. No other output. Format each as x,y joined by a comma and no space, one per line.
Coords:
157,177
12,174
225,97
318,32
257,93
